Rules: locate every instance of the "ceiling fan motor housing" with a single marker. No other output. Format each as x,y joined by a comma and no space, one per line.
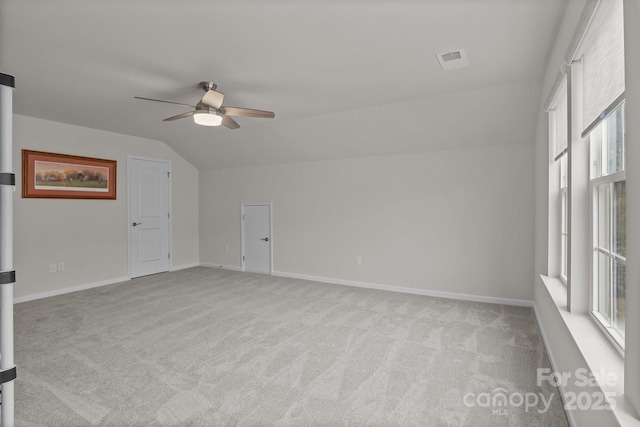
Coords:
206,86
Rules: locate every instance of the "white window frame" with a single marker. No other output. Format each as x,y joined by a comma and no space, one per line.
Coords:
604,323
564,218
560,162
598,179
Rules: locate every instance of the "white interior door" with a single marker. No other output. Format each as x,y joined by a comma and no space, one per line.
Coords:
256,220
148,216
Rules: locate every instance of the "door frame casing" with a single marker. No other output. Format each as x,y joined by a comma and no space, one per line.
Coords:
169,207
242,244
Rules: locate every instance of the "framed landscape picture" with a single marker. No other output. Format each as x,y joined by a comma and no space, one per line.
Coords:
61,176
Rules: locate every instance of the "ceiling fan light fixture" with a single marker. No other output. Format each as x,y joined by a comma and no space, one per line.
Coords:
207,118
210,111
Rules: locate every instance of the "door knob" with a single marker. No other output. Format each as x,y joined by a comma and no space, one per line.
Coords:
266,239
136,223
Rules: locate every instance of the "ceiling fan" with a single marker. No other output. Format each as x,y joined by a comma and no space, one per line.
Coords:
209,111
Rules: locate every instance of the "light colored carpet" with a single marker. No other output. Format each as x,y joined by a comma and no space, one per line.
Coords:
213,347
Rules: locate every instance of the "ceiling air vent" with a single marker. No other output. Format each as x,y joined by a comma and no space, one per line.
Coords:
452,60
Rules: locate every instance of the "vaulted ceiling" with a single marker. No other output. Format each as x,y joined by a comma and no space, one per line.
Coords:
346,78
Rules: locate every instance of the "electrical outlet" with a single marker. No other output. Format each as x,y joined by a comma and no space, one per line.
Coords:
53,268
61,266
358,261
226,248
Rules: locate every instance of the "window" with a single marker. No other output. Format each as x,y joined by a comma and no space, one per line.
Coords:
603,88
587,146
559,132
608,183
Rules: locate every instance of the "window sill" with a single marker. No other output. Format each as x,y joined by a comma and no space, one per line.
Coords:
598,352
616,340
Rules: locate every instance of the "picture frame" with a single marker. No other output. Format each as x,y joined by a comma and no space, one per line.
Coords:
64,176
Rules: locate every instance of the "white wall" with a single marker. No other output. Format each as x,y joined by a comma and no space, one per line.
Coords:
90,236
455,221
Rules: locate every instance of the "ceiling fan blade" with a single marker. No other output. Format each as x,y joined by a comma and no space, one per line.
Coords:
247,112
213,98
179,116
229,122
166,102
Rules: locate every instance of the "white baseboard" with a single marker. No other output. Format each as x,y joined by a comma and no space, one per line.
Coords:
184,266
69,290
224,267
415,291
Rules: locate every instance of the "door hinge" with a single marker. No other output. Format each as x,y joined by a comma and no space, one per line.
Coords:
243,257
168,174
169,256
243,217
168,215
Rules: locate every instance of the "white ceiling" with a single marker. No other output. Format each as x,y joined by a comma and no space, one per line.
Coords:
345,78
